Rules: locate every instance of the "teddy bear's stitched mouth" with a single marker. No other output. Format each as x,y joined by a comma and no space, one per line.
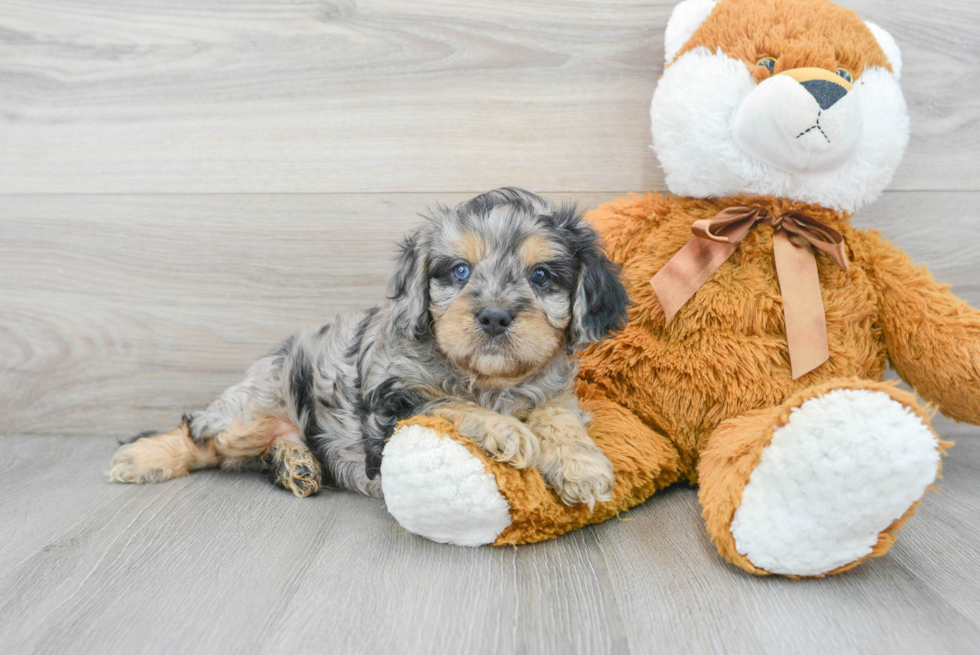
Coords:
815,126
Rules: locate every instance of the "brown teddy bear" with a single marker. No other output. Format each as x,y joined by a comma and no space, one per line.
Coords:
762,321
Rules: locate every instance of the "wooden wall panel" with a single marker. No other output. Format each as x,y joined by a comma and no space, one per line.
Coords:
119,312
201,96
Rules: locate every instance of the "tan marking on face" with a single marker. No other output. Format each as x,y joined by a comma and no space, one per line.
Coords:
532,341
456,331
536,249
472,247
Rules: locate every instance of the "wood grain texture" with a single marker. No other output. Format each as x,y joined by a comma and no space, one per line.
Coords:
181,96
156,303
225,563
120,312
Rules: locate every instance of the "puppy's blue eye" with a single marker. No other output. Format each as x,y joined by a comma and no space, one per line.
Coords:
461,272
540,277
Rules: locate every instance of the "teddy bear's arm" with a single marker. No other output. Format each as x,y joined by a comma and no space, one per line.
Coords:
932,336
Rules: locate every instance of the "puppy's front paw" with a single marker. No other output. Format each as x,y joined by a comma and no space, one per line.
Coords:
509,441
581,475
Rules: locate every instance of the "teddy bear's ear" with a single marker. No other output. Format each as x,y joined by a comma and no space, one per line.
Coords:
887,44
684,22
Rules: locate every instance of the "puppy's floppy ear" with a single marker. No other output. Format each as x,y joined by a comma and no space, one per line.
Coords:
599,300
408,288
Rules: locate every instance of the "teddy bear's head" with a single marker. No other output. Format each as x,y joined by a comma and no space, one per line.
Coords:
795,99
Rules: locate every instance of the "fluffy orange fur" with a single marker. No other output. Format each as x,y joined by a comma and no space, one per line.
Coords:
699,398
806,33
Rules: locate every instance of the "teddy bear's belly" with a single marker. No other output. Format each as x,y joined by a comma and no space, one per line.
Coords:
725,353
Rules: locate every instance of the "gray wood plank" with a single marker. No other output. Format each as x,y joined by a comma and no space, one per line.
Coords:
676,595
220,563
196,565
122,311
401,593
157,302
920,598
206,96
225,563
28,518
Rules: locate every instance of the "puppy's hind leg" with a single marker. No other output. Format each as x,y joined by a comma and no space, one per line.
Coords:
162,457
270,443
234,431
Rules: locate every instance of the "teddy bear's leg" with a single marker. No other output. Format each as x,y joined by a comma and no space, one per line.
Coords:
819,483
443,487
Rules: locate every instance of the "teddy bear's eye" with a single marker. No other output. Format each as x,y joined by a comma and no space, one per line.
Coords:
846,74
768,63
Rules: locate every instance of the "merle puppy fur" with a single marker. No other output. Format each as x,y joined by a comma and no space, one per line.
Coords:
486,308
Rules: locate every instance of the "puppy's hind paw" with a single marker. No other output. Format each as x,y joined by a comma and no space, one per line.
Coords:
293,467
135,463
160,457
509,441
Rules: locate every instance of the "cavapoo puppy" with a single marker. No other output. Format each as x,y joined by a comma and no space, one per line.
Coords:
486,308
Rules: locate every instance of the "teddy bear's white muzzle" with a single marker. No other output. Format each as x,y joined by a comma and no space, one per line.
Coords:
813,126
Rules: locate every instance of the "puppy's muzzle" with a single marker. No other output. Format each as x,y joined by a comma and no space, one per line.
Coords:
494,320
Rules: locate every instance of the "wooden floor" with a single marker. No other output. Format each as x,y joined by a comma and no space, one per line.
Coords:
225,563
185,182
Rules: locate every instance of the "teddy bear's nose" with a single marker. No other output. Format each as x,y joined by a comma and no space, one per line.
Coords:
825,92
825,87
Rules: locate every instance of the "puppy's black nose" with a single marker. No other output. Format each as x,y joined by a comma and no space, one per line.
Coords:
494,320
824,92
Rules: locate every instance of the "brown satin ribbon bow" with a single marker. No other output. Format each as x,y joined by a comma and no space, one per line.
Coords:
717,238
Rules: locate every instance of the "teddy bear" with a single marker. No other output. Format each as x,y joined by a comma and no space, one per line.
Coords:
761,323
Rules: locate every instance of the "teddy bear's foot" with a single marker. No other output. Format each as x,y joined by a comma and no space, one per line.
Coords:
818,485
436,488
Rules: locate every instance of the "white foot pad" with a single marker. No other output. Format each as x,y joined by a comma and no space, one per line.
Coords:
435,488
843,468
